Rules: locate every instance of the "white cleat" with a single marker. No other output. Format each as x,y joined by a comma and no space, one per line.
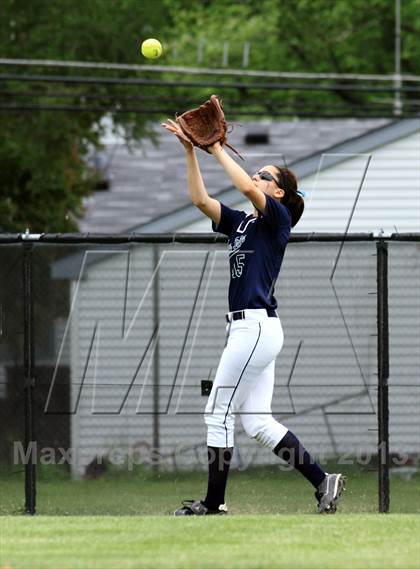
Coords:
329,492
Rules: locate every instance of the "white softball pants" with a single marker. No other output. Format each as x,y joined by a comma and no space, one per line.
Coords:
244,382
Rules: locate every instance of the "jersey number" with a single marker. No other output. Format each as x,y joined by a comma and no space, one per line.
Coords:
237,266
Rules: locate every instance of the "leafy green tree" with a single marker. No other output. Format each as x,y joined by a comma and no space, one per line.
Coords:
330,36
299,35
43,172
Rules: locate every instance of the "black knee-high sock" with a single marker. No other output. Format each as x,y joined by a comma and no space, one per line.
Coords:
290,450
219,462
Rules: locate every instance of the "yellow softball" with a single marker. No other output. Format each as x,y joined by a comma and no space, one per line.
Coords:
151,48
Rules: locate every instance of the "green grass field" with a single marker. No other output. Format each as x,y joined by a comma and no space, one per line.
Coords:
360,541
125,522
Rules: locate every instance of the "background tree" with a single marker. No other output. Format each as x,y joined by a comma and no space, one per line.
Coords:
43,169
318,36
43,172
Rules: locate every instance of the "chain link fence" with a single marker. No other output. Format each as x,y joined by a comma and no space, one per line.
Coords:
109,345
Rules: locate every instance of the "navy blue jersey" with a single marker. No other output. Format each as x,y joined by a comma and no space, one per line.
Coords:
256,248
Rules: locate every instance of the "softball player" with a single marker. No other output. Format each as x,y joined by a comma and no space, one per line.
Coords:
244,379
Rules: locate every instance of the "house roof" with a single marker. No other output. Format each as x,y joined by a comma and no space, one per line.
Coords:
171,220
349,187
149,184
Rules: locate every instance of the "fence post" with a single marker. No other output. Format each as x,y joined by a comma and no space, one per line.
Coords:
29,382
383,374
156,360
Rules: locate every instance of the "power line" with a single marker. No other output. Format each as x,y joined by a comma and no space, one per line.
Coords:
204,70
118,98
165,83
103,96
171,111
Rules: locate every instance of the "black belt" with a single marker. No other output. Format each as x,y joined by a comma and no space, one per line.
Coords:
240,314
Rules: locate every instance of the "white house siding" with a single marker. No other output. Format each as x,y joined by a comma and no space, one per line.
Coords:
389,199
404,322
337,338
337,358
98,297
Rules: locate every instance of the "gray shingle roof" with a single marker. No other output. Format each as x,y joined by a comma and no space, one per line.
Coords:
150,181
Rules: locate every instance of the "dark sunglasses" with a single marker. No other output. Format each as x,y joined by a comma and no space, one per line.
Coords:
264,175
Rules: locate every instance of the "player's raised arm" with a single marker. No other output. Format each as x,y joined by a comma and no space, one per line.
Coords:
239,177
199,196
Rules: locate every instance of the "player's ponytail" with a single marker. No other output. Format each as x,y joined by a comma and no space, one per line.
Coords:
291,199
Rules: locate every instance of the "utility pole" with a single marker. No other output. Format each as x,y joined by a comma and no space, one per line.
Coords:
397,71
